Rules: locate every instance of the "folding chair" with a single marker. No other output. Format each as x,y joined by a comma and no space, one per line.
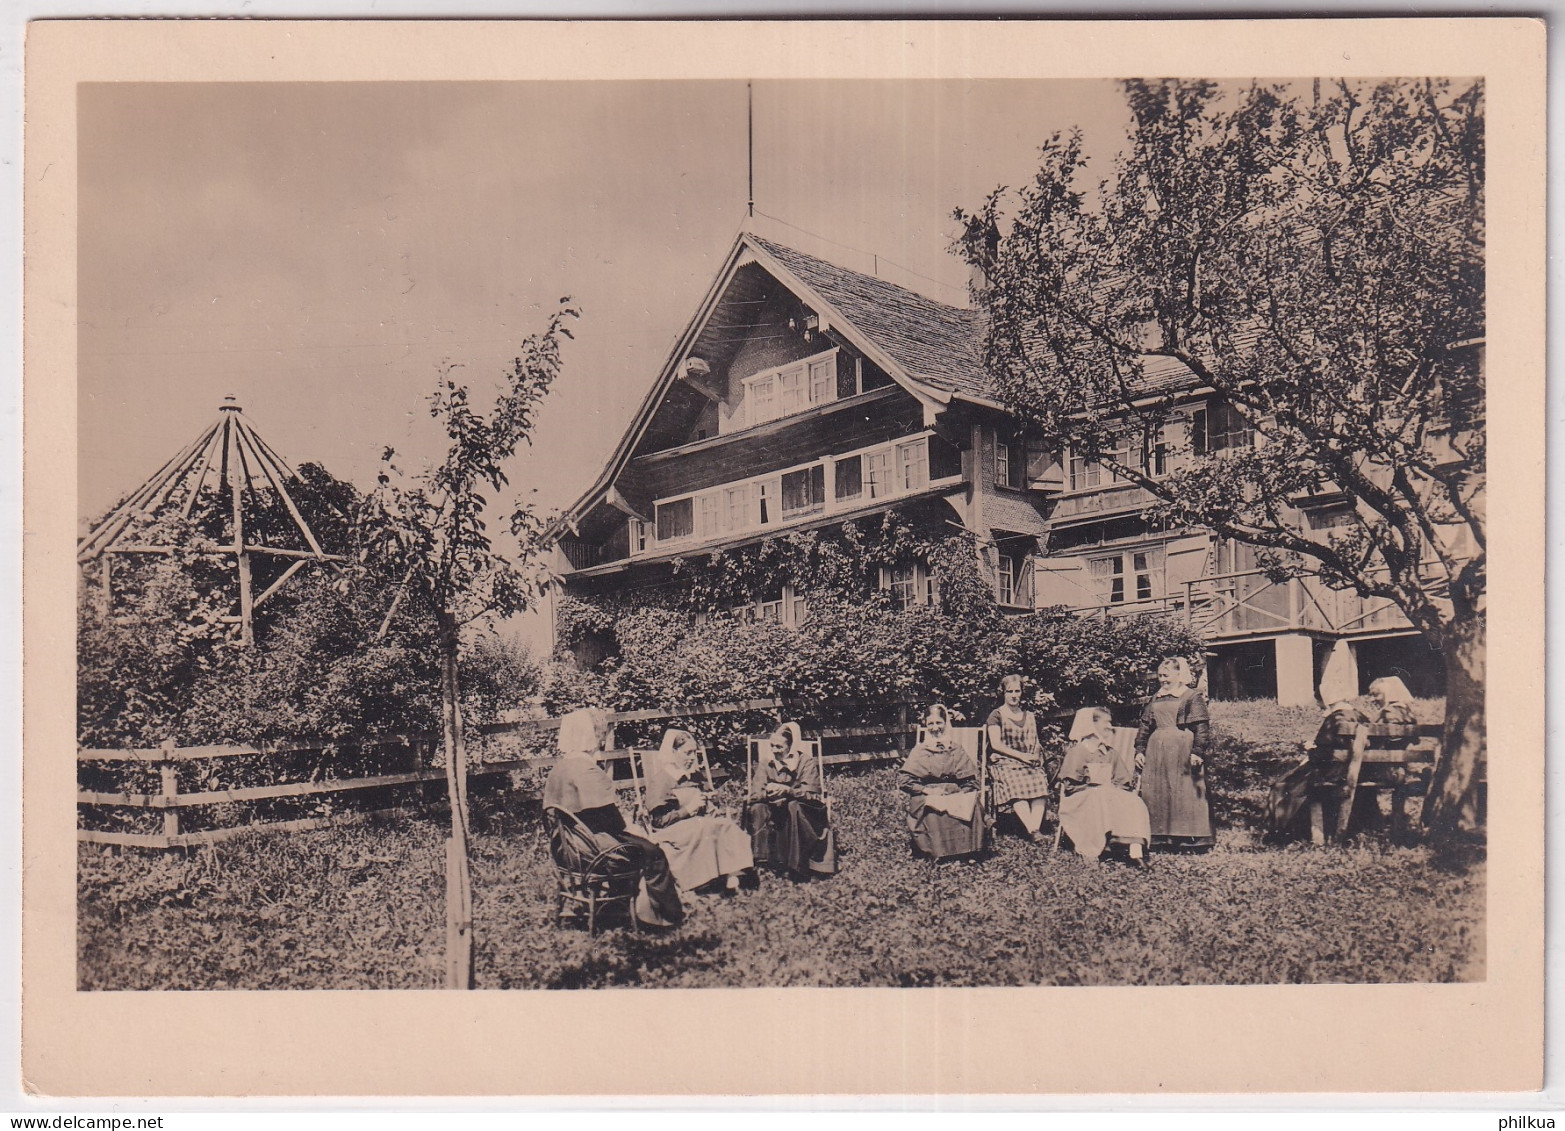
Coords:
638,776
975,740
589,878
1124,746
753,759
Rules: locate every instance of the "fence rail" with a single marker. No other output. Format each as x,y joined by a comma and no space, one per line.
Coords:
168,758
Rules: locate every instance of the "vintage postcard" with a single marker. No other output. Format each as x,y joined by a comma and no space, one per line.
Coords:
832,557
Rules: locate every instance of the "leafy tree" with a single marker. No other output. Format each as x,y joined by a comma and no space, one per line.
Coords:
431,528
1313,255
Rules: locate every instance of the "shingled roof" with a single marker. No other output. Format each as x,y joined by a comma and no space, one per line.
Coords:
933,342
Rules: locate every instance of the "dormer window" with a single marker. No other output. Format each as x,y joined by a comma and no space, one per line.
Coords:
792,388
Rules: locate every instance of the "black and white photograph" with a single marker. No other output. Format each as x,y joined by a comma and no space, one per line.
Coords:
782,532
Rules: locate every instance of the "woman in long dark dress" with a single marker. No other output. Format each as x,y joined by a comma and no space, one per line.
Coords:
578,785
1016,770
1171,749
785,811
944,815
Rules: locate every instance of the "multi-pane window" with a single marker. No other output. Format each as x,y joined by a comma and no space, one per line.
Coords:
737,503
675,519
910,584
791,391
804,491
638,535
849,477
1010,461
877,474
823,380
791,388
710,515
1014,574
1220,427
1136,575
761,394
1084,473
912,466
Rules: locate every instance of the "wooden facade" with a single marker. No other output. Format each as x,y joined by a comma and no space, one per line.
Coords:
803,394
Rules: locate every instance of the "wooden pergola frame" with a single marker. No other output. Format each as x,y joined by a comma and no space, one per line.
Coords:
230,452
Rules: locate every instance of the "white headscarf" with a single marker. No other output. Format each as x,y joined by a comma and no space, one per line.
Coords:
1390,689
676,757
790,760
1178,678
1086,724
581,731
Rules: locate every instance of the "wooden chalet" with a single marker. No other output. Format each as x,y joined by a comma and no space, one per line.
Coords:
804,394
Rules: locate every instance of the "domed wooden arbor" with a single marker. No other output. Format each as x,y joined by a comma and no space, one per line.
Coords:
227,490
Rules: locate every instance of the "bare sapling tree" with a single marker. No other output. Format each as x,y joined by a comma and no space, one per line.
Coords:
1307,259
431,528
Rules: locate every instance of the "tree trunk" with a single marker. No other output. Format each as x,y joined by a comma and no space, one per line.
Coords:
1452,805
459,902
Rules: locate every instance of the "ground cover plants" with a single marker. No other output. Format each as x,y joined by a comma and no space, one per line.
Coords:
362,907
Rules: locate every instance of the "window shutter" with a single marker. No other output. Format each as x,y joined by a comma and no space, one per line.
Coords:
1024,583
1062,581
1198,432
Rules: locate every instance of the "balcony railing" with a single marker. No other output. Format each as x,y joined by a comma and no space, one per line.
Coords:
831,485
1230,605
1110,500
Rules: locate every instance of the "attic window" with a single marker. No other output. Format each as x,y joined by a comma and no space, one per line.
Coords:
791,388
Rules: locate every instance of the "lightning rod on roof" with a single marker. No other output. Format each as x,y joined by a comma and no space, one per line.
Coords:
749,143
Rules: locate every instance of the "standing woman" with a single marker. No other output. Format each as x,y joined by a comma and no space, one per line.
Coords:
785,811
1017,770
1171,749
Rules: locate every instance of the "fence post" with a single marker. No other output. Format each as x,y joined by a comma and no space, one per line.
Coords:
169,772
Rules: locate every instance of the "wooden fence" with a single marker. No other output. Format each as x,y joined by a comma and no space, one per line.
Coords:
168,758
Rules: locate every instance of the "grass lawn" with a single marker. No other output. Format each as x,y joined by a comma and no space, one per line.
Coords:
363,907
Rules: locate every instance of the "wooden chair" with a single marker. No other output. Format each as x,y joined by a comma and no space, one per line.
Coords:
587,877
975,740
1124,744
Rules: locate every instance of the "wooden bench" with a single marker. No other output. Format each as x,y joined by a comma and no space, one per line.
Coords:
1394,758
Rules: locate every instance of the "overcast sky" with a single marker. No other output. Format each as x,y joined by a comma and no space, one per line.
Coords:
320,249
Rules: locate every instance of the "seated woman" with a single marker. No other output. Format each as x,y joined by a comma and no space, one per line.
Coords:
1393,701
1172,745
785,810
943,811
1099,778
700,848
578,785
1020,780
1326,763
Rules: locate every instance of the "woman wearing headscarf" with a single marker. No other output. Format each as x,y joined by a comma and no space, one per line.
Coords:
1099,777
1017,772
1171,749
700,848
785,810
578,785
1393,700
943,811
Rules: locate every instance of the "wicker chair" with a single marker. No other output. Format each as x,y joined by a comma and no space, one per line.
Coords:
588,878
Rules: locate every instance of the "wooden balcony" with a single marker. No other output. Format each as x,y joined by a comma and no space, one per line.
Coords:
1084,506
1249,604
